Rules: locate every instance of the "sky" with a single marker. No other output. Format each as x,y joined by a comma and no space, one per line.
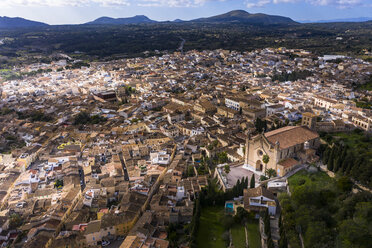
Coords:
81,11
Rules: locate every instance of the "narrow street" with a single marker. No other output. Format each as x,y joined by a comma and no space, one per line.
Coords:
126,176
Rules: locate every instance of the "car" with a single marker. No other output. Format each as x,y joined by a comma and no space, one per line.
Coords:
20,205
120,238
105,243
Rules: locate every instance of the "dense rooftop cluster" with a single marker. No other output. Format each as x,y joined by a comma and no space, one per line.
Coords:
123,148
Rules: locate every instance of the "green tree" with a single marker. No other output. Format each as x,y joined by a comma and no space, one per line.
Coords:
260,125
222,158
270,173
353,234
266,160
336,164
318,235
253,182
58,183
331,158
345,163
266,220
246,182
227,168
344,184
190,171
15,221
241,215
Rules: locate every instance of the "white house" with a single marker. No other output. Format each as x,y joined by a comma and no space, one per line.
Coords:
259,199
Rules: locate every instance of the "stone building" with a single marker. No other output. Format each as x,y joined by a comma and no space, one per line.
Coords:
286,147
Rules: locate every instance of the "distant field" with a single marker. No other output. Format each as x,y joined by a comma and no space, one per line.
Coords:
124,41
211,228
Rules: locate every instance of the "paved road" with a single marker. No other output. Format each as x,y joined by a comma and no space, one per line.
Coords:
114,244
82,179
181,45
126,176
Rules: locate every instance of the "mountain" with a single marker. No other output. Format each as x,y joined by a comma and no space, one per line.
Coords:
178,20
129,20
17,22
245,17
358,19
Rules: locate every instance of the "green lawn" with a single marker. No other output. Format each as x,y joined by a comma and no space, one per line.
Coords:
354,140
211,228
321,178
254,238
238,236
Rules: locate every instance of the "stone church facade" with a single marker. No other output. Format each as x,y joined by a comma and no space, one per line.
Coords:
286,147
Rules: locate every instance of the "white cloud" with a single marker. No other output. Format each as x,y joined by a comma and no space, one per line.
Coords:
106,3
61,3
336,3
174,3
257,4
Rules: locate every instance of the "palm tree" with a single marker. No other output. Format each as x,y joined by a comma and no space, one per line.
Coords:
266,160
270,173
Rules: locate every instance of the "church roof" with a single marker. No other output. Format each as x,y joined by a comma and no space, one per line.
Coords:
290,136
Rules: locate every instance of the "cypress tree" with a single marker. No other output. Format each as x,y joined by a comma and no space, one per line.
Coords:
253,182
330,164
331,158
270,243
266,220
237,188
283,240
336,164
345,162
344,152
326,155
355,170
244,183
348,168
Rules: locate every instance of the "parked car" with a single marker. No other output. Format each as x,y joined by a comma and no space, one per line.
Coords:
105,243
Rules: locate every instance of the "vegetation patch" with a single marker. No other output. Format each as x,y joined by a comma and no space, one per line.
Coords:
349,154
254,237
325,212
238,235
211,227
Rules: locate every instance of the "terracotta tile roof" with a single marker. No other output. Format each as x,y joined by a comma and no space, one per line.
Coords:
260,191
289,162
93,226
290,136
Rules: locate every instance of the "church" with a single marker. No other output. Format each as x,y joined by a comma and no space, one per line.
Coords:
286,147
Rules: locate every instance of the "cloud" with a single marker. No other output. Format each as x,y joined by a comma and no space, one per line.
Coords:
174,3
106,3
336,3
62,3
